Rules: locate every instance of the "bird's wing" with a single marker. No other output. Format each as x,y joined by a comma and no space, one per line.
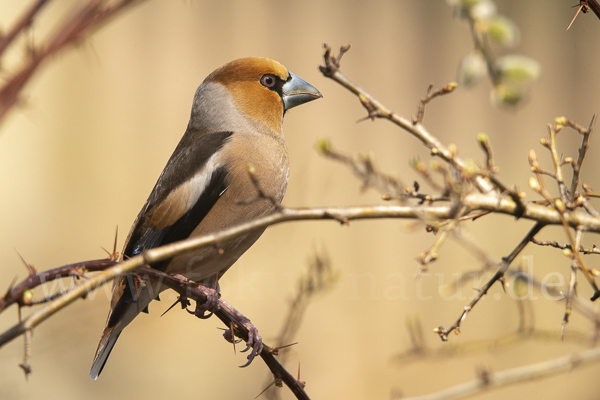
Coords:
191,183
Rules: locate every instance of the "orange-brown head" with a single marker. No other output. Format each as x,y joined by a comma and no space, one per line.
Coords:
262,89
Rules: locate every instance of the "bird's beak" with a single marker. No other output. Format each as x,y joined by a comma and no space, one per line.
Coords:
297,91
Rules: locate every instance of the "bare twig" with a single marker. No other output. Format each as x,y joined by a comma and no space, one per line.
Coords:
563,246
431,94
88,17
443,332
585,144
491,380
331,70
319,278
23,23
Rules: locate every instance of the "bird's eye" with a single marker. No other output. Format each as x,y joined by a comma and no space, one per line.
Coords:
268,81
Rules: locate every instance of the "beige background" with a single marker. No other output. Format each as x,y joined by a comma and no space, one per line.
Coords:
101,121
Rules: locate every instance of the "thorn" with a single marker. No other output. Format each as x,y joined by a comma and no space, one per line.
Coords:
265,389
106,251
576,14
184,303
30,268
302,383
232,336
115,243
285,346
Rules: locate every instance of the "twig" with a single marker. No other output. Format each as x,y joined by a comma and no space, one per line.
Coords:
88,17
473,202
319,278
563,246
449,88
585,144
21,25
572,292
492,380
366,171
539,187
443,332
331,70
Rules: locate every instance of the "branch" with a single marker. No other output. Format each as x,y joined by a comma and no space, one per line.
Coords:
498,276
227,314
472,202
376,109
492,380
83,22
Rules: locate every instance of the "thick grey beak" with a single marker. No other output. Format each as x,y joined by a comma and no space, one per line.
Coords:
297,91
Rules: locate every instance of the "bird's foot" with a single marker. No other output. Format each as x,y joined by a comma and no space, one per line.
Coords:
254,343
210,305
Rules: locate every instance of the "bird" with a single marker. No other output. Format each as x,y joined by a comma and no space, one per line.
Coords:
206,186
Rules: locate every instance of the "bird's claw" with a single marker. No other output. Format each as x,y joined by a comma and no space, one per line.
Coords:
211,304
228,335
254,343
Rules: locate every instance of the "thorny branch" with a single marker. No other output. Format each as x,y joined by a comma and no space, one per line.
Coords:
228,315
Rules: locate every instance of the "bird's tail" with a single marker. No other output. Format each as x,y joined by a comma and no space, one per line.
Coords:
124,310
107,342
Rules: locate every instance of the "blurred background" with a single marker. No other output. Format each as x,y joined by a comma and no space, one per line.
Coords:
99,122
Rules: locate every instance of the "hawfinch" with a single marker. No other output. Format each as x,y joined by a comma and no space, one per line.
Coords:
206,186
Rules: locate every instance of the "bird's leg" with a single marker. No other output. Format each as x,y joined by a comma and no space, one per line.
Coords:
211,304
212,298
254,342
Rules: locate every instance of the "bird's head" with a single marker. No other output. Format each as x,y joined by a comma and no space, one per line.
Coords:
259,88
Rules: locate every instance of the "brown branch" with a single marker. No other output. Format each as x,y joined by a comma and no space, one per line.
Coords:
226,313
18,294
83,22
22,24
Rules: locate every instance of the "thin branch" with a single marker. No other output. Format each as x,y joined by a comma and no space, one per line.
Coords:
378,110
364,168
83,22
585,145
499,275
431,94
493,380
563,246
23,23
